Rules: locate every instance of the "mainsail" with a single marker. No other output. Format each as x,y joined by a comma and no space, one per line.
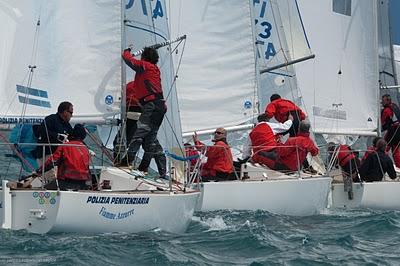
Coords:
217,77
49,55
340,87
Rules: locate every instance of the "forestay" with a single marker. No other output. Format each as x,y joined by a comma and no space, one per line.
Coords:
340,87
217,76
73,48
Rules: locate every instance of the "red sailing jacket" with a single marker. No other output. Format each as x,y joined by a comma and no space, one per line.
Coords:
219,158
386,117
262,136
301,145
280,109
72,161
345,155
147,81
131,97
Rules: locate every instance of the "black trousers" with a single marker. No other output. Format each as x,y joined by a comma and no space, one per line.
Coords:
146,134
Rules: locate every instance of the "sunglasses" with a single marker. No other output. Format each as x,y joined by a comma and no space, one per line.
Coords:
217,132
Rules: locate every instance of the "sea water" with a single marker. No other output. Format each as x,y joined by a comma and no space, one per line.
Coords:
335,237
357,237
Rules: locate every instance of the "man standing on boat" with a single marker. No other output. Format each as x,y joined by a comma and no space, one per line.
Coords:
263,140
391,126
147,84
133,112
54,129
281,109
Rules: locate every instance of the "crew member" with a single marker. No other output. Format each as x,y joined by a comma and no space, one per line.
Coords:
219,165
149,92
281,108
72,161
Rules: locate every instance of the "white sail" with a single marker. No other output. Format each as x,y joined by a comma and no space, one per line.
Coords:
280,40
385,50
146,24
396,52
217,77
69,45
340,87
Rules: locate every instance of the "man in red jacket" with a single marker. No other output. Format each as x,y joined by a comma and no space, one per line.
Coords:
263,138
72,161
149,92
219,165
348,161
281,108
391,126
294,152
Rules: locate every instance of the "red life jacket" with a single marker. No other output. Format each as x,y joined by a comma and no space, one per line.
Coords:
299,145
72,161
261,137
345,155
219,158
280,108
147,81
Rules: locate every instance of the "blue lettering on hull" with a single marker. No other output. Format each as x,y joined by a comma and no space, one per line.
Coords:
115,216
117,200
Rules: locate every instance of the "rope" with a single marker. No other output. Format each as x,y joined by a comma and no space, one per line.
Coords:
17,152
180,158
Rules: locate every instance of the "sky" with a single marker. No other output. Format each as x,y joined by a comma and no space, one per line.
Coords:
395,20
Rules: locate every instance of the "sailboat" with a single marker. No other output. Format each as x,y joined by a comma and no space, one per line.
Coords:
71,50
353,60
219,85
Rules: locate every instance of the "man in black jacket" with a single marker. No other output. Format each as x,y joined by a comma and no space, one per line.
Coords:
55,128
377,164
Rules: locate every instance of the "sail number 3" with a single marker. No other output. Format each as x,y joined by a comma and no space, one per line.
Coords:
264,28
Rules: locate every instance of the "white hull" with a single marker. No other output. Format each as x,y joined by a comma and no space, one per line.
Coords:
383,195
132,211
299,197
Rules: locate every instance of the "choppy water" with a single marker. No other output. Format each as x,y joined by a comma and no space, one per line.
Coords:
339,237
358,237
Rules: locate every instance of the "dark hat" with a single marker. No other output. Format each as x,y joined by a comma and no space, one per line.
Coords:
79,132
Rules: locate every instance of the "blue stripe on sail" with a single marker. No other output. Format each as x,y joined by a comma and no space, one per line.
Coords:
32,91
36,102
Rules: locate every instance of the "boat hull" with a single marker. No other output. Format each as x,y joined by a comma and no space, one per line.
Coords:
383,195
299,197
41,211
